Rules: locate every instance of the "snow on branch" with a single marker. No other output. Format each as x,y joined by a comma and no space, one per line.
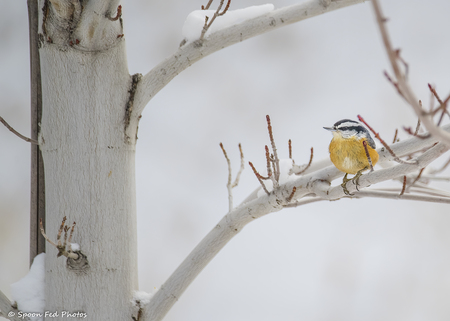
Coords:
203,20
188,54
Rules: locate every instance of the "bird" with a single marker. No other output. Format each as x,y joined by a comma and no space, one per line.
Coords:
347,151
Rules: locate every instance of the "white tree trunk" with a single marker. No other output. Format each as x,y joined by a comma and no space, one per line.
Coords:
88,147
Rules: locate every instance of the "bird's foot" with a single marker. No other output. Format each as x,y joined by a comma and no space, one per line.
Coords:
344,185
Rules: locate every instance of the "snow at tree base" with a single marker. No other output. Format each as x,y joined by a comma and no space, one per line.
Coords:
29,292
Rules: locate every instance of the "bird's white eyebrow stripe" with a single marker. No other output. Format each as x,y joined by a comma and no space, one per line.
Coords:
349,124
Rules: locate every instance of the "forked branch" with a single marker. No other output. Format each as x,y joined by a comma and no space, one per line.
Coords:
218,13
63,248
230,185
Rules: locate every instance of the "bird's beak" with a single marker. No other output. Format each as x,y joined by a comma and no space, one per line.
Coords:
329,128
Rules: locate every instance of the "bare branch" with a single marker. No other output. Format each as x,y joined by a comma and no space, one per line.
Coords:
410,131
290,151
45,235
396,158
294,189
15,132
395,136
276,160
418,126
61,228
230,193
403,86
309,163
268,163
259,177
190,53
215,15
61,247
207,6
368,155
314,187
226,8
388,173
395,84
420,198
416,179
241,169
404,186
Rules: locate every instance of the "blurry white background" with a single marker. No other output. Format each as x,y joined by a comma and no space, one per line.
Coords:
368,259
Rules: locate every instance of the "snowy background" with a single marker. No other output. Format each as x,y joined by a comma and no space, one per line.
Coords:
349,260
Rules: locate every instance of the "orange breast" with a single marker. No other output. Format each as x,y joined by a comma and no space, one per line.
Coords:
349,155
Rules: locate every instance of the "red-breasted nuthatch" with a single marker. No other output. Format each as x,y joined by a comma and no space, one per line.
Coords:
347,151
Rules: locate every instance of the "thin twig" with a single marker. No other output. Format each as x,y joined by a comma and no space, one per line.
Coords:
431,101
404,186
444,111
396,158
207,24
294,189
276,160
290,151
395,136
395,84
435,94
304,201
226,8
207,6
70,237
268,162
401,79
230,193
259,177
61,247
15,132
66,229
410,131
45,235
399,57
241,169
420,198
442,104
417,178
71,232
418,126
368,155
309,163
61,228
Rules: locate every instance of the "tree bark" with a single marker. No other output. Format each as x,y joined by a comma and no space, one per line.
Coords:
87,138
